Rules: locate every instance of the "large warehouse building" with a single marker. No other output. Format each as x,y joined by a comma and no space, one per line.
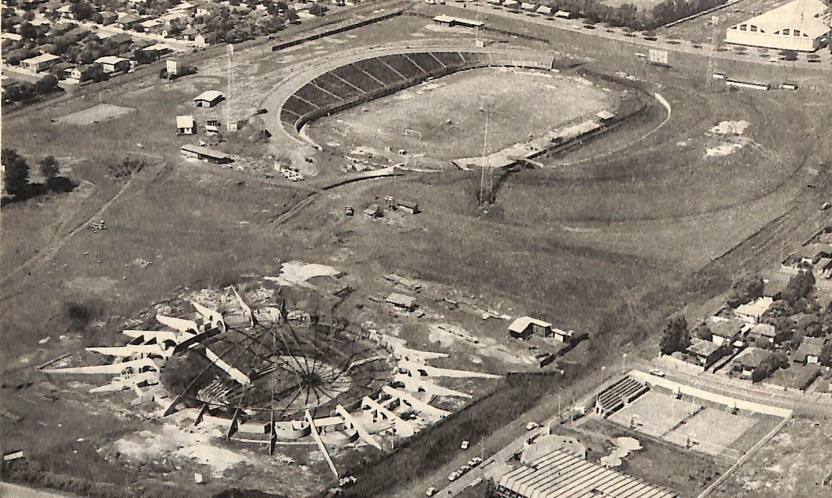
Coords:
802,25
564,475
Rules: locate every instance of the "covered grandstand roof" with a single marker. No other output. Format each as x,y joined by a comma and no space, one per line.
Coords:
802,17
565,475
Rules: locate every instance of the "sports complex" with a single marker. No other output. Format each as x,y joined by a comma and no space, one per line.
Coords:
458,179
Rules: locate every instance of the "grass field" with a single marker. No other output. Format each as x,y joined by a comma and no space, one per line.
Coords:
449,115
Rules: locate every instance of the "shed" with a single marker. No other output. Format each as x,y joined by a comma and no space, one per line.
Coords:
205,154
605,116
185,125
401,301
373,211
208,98
524,327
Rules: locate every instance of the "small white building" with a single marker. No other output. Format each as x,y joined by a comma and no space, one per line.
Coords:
185,125
208,98
401,301
753,311
801,25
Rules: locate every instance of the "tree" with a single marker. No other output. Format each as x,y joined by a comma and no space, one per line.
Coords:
16,175
746,289
82,10
799,286
317,10
47,84
676,336
49,167
825,357
703,332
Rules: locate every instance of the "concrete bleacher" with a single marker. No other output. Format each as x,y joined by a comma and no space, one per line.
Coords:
374,77
613,398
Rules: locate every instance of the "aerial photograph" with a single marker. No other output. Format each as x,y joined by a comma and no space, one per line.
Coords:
406,248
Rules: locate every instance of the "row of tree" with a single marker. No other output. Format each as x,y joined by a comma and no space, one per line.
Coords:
27,93
16,177
629,15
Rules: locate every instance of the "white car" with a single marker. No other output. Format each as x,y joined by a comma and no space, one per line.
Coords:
454,476
464,445
431,492
531,426
825,206
656,372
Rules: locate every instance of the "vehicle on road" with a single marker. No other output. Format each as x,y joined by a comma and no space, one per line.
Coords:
825,206
454,476
431,492
464,445
656,372
532,426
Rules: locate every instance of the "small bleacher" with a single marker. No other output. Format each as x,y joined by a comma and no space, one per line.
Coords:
614,397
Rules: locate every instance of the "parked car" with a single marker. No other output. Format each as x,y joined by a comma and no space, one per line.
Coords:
454,476
464,445
431,492
825,206
656,372
532,426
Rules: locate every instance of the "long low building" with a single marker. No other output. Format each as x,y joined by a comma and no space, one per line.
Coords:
564,475
802,25
206,154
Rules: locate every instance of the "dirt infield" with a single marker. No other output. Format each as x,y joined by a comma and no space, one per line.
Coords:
446,118
712,431
96,114
655,413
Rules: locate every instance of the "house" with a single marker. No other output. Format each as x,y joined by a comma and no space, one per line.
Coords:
526,326
159,49
205,154
128,21
40,63
108,18
408,207
809,351
111,64
152,26
82,73
373,211
562,335
208,98
748,360
811,253
185,125
751,312
212,126
121,40
63,69
762,331
705,352
401,301
12,36
801,25
726,331
65,13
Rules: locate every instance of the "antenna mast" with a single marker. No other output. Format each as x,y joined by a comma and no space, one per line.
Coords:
714,43
484,165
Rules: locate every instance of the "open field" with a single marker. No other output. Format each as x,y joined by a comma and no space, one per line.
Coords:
446,117
607,241
99,113
655,414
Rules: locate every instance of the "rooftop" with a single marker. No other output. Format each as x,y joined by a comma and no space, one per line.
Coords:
522,323
203,151
811,346
804,16
401,300
209,96
110,59
703,348
763,330
41,58
755,308
184,121
752,357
